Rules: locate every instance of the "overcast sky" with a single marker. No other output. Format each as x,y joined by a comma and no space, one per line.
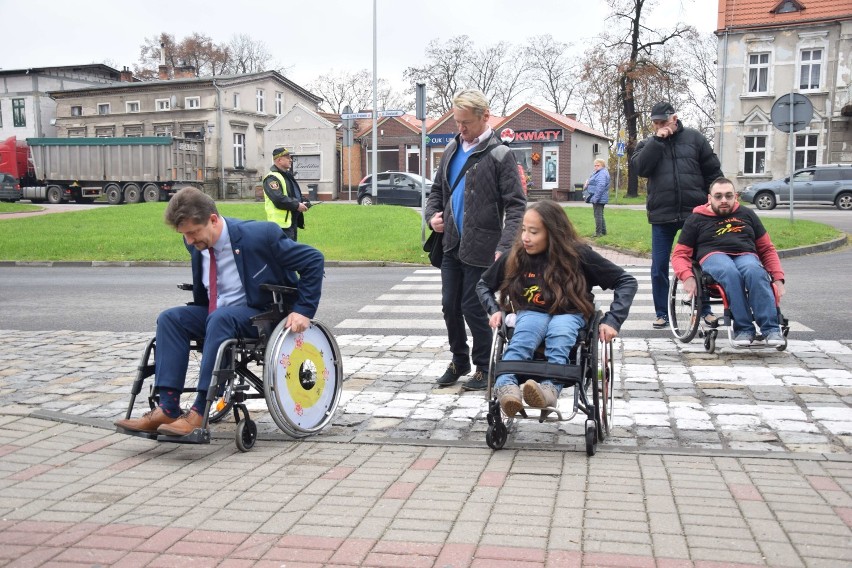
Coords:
308,37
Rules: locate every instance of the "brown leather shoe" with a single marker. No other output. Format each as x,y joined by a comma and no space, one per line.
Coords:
184,425
149,422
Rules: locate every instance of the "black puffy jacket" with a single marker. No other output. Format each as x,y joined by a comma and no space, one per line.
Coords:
494,203
679,169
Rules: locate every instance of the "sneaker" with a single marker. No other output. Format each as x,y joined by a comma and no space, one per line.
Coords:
661,322
452,374
538,395
711,319
510,399
776,339
478,382
743,339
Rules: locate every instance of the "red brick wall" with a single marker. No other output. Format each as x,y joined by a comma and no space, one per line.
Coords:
529,120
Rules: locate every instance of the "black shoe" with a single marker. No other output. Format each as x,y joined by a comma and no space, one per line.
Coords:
477,382
452,374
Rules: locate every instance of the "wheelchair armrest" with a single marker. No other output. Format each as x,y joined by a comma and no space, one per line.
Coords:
185,286
276,289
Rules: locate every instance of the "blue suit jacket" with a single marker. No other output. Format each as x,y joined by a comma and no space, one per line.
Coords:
265,255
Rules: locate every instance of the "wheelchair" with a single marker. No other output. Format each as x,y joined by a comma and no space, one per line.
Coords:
301,378
590,370
685,318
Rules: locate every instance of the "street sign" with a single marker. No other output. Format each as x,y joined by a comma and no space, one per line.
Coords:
391,112
348,115
799,118
620,148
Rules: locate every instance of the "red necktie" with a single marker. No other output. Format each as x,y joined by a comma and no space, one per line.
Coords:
212,284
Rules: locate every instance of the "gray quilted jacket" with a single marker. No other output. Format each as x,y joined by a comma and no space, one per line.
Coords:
494,203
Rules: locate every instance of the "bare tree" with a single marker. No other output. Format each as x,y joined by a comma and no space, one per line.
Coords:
445,72
699,70
149,55
248,55
511,81
638,42
339,89
553,70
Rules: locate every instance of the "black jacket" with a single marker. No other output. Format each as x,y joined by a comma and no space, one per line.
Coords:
679,169
494,203
598,272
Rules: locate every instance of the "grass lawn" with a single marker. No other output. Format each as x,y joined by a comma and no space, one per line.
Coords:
18,207
343,232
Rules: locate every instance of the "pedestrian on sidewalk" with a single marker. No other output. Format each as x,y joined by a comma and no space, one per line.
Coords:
231,260
597,187
546,281
479,216
680,166
282,195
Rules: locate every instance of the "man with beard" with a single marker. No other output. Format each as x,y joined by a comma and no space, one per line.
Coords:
733,247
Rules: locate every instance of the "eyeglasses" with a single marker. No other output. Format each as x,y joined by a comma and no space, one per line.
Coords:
721,196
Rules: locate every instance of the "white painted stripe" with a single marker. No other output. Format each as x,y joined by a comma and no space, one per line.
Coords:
422,279
379,323
409,309
412,287
405,297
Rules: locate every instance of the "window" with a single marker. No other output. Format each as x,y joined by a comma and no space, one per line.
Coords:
76,133
162,130
261,107
103,108
809,72
105,132
162,104
806,150
239,150
236,101
133,131
755,155
279,103
19,119
192,102
76,111
758,73
132,106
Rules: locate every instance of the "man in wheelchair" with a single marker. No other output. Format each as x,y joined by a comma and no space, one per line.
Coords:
232,260
732,245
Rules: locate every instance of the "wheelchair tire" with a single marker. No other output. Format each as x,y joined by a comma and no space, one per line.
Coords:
302,379
684,311
496,435
710,342
591,437
607,375
246,435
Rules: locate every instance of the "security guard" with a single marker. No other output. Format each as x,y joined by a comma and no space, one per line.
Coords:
282,195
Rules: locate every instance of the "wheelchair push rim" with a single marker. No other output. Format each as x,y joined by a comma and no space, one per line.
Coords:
302,379
683,311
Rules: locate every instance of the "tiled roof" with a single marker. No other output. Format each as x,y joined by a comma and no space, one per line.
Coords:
759,13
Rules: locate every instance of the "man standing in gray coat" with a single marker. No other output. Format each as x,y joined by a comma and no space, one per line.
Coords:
477,203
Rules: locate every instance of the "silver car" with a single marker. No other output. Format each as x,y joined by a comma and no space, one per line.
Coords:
818,184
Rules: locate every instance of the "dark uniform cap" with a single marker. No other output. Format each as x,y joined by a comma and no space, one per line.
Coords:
662,110
278,152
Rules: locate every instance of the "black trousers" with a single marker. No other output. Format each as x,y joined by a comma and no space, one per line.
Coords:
460,304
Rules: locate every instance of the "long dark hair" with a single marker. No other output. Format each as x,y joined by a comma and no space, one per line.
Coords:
564,282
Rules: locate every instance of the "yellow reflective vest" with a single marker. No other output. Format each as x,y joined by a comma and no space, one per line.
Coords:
283,217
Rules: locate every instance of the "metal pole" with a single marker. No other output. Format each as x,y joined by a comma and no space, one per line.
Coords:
373,190
349,160
617,178
792,144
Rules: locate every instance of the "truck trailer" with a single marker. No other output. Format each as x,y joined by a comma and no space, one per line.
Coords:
124,170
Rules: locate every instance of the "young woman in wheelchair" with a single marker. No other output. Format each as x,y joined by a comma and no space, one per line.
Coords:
545,280
732,245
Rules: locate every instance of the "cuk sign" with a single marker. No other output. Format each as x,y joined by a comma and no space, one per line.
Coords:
541,135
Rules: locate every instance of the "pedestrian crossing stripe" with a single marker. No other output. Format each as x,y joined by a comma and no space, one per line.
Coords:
416,303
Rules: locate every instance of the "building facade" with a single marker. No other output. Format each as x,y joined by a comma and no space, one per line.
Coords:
26,109
229,113
769,48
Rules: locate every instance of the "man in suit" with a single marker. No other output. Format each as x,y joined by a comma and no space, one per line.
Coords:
231,259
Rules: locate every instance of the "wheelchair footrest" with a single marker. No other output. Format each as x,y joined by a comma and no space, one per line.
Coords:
197,436
146,435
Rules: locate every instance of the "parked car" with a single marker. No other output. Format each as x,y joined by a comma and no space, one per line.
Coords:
393,188
10,189
830,183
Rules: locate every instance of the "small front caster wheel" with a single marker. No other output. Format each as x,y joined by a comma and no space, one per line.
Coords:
591,437
496,435
246,435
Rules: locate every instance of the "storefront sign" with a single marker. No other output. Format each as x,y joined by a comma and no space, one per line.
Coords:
439,139
526,136
306,166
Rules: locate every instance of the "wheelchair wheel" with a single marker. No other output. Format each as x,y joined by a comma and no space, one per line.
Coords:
591,437
607,375
593,376
219,409
246,435
498,343
496,435
683,311
302,378
710,341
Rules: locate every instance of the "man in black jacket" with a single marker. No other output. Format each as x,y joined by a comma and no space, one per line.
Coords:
680,166
478,203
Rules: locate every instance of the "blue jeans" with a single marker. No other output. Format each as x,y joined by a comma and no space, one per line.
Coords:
559,332
662,240
460,304
739,273
177,326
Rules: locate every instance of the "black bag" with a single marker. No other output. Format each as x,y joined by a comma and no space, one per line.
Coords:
434,245
587,196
